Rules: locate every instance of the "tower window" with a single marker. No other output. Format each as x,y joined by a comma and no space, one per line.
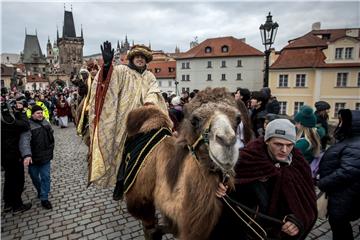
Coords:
208,49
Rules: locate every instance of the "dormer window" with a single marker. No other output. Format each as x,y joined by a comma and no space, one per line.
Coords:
224,49
157,70
208,49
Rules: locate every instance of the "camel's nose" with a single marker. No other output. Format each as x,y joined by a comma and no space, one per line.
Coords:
227,140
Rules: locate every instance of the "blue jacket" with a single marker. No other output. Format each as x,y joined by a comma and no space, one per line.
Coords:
340,174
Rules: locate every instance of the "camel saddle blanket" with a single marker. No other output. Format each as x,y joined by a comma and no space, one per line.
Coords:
137,148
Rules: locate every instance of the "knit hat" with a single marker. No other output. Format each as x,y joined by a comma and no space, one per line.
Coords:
36,108
322,105
306,117
140,50
281,128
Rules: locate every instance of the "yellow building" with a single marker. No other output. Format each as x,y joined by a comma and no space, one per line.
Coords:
324,64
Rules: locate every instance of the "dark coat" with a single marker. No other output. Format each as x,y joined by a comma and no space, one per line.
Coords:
257,120
10,135
38,142
273,189
340,174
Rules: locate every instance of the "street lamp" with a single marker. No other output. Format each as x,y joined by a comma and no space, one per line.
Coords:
268,34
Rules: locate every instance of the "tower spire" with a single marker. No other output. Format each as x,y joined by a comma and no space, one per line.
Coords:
82,32
25,31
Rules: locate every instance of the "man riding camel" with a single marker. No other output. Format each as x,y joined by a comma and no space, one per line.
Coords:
116,91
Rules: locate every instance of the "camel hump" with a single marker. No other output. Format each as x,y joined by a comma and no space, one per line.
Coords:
146,118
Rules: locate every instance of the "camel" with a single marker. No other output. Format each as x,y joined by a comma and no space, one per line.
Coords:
180,176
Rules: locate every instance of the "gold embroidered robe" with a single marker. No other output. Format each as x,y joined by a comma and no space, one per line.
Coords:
127,90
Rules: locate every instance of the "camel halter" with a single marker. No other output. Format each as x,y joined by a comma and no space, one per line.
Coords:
204,137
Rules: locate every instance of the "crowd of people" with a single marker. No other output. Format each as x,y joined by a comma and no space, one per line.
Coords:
273,174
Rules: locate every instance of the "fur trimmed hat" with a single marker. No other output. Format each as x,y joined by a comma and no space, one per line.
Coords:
140,50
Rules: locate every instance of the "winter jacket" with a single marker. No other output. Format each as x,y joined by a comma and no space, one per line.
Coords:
11,129
38,142
340,174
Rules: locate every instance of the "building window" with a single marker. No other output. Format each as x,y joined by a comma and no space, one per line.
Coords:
224,48
185,89
2,83
238,76
338,106
223,64
338,53
297,106
183,78
283,80
239,63
208,49
223,77
341,79
300,80
170,83
208,77
282,108
188,65
357,106
348,53
187,77
183,65
358,82
41,85
160,83
209,64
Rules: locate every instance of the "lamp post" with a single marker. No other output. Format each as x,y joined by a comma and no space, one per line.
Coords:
176,88
268,32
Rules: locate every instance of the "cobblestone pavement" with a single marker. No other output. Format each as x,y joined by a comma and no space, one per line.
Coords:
80,212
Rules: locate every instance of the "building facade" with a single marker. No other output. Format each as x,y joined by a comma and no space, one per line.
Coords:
165,73
70,46
220,62
324,64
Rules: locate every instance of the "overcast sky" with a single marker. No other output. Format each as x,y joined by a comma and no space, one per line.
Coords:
167,24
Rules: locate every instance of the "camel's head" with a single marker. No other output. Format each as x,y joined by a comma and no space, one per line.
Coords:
212,120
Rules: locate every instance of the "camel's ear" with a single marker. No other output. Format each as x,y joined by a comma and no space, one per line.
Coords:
135,120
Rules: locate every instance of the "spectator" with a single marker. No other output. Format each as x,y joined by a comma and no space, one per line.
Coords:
340,175
176,110
322,118
37,148
243,94
62,111
307,137
13,123
258,113
272,178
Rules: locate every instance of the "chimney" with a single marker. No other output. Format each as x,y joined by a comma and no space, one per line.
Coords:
316,26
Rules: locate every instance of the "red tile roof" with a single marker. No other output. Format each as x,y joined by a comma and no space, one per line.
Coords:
236,47
161,69
306,51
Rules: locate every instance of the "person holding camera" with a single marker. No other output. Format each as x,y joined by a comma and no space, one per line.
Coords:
13,123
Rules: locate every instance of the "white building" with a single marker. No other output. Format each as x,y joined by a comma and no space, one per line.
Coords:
220,62
35,82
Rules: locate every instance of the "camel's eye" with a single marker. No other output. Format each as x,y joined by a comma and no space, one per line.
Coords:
195,121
